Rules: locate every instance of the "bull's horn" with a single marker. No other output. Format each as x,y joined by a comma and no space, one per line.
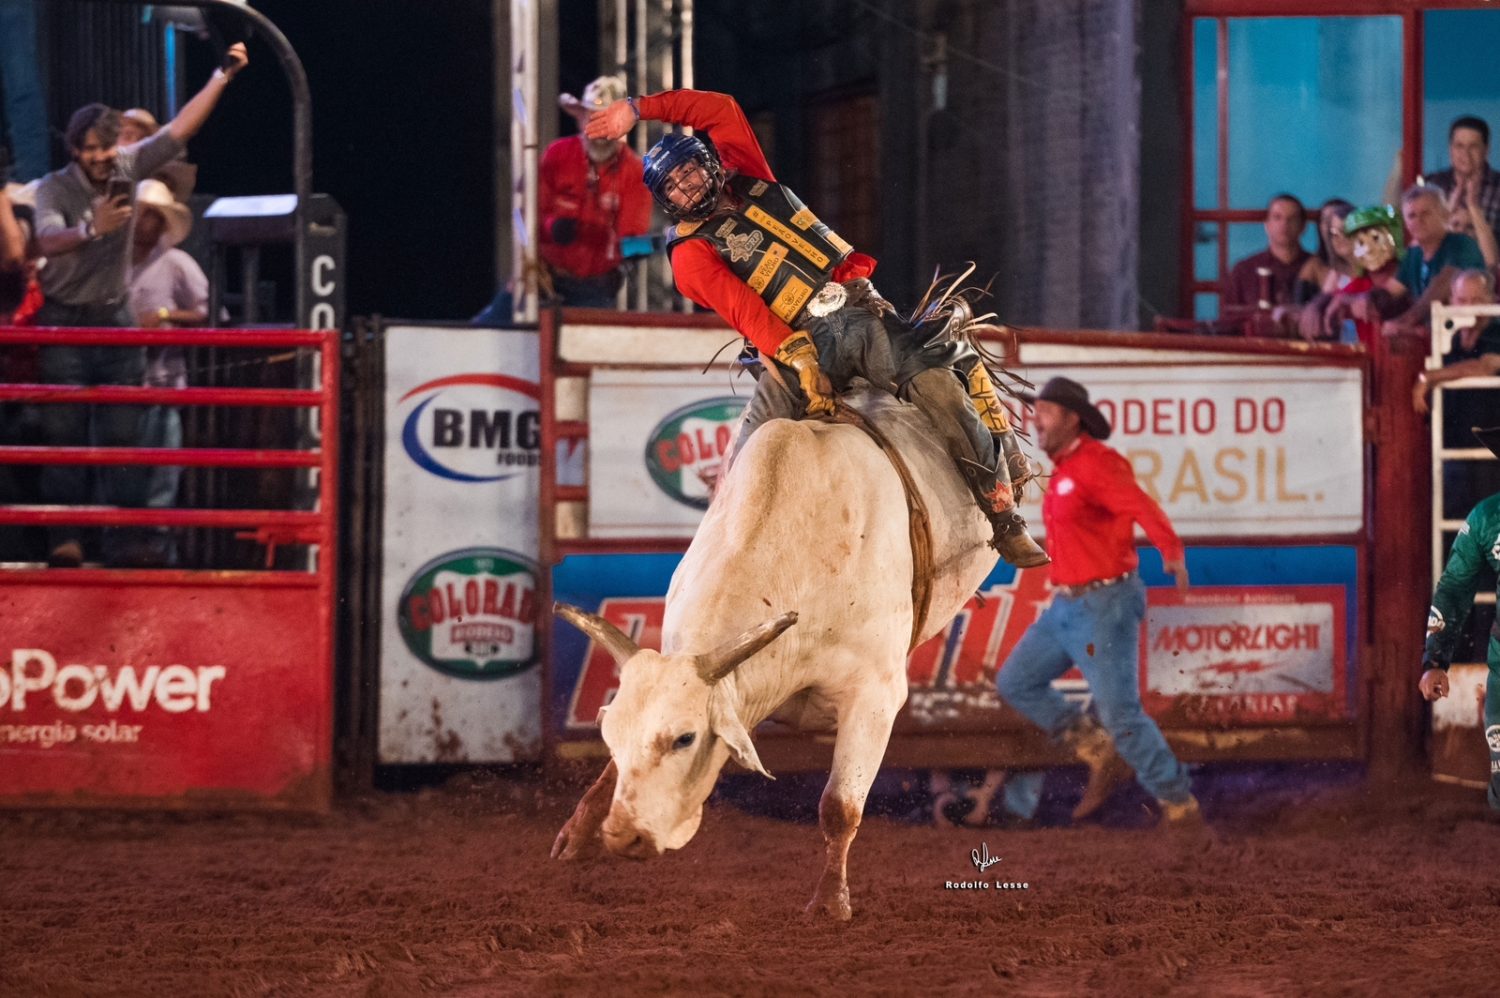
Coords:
727,657
611,637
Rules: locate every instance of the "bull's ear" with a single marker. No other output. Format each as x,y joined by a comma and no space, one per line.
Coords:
726,724
727,657
611,637
599,717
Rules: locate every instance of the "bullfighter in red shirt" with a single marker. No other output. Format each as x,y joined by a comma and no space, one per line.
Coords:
1094,621
745,246
589,196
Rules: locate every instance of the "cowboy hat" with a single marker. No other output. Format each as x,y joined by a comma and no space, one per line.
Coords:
145,119
157,195
1071,395
597,96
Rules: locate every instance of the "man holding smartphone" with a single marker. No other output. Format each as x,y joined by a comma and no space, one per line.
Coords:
84,219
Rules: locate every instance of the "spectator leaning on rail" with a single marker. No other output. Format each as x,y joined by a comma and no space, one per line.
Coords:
1475,553
84,224
1269,278
1469,175
167,288
1430,264
15,259
1475,353
1094,621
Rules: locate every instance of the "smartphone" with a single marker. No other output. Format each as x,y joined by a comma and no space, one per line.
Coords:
119,188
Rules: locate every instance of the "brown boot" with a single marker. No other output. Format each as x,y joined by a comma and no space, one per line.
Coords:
1014,543
1183,816
1107,770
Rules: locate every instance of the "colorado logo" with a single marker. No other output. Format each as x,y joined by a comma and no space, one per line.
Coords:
473,427
685,452
471,613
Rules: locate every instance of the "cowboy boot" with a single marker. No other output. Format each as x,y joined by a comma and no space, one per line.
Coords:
1095,749
1182,816
1011,539
999,506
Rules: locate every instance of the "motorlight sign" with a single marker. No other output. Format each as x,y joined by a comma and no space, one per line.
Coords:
458,667
1267,655
686,452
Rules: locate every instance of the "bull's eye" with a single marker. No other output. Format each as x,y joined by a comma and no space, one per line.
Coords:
683,741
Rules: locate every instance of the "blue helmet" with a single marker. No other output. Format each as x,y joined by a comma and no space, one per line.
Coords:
672,151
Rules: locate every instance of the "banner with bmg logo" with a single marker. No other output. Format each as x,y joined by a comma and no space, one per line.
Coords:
459,676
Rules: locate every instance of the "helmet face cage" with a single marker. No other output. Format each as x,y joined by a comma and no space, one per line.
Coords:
667,155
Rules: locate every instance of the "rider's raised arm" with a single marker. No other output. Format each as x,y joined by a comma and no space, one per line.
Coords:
720,116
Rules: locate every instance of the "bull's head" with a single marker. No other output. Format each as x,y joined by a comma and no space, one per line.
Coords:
670,729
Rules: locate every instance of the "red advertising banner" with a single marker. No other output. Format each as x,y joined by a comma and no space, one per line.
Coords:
1215,656
1245,655
166,687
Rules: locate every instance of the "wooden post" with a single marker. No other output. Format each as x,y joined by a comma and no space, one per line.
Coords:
1400,508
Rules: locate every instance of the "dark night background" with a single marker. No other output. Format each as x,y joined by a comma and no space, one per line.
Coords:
402,138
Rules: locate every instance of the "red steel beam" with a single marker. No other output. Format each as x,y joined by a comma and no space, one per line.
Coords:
112,337
189,458
133,395
216,578
111,516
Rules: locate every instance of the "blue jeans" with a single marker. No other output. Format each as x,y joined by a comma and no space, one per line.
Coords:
1100,632
65,425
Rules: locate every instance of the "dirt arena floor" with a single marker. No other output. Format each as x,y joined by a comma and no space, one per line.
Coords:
1339,889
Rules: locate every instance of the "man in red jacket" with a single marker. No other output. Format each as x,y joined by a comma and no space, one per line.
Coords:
745,246
589,196
1094,620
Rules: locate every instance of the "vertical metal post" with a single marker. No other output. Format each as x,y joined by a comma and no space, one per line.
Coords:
524,153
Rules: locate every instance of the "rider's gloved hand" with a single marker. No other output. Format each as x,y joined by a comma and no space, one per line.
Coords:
799,353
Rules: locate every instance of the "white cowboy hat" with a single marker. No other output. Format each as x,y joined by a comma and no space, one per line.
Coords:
597,96
155,194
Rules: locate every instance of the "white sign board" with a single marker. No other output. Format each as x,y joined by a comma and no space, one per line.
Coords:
657,440
1235,450
459,675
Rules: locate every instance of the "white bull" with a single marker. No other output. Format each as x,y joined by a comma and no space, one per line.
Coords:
810,528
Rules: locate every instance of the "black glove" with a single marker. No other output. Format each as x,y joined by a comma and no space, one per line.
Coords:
564,231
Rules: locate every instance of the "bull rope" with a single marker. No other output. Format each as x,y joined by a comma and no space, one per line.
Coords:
919,522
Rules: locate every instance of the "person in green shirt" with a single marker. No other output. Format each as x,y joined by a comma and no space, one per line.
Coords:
1435,257
1476,546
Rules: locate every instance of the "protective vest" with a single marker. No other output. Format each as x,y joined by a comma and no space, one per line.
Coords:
771,241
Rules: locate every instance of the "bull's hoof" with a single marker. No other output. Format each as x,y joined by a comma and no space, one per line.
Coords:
835,906
572,844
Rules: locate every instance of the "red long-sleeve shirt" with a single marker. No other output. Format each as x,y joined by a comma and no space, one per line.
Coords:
1090,509
698,270
611,204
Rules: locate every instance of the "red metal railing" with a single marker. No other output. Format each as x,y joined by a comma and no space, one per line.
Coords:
318,527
